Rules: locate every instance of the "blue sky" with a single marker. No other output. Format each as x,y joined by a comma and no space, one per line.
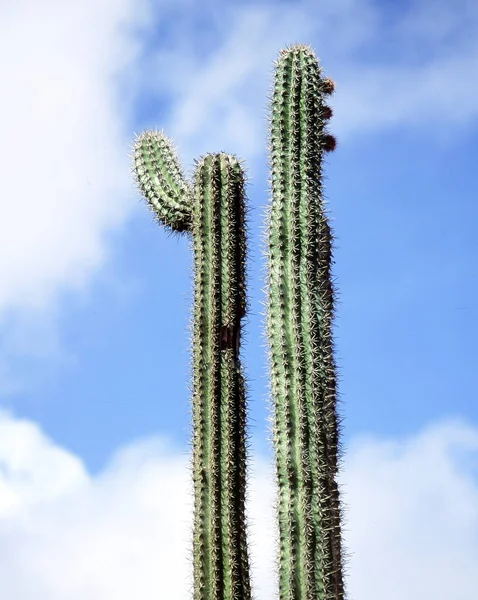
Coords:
95,298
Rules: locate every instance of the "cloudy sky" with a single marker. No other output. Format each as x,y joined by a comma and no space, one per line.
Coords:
95,492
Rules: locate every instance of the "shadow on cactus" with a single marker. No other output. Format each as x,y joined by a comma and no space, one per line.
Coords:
212,210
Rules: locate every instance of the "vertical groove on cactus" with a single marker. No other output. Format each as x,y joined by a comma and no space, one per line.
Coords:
214,212
299,320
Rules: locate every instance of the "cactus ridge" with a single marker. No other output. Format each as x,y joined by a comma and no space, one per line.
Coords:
299,320
212,210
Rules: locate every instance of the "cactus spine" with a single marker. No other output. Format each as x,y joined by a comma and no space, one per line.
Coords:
212,209
299,318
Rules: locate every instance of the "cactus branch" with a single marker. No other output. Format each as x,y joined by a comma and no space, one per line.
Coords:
160,180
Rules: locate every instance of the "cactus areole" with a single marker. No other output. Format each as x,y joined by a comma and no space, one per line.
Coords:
299,319
212,209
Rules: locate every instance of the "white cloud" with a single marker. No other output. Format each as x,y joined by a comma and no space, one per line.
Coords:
420,73
219,98
440,91
65,176
412,69
412,519
413,514
64,164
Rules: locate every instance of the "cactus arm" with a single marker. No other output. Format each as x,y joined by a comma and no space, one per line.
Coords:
299,318
160,180
220,556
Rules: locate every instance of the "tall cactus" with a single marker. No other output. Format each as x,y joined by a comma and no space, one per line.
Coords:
299,318
212,209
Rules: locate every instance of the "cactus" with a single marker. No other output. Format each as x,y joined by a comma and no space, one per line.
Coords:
212,210
299,318
305,429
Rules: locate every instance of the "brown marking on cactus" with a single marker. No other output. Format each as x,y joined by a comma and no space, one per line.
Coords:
327,113
329,143
226,338
229,339
328,86
236,340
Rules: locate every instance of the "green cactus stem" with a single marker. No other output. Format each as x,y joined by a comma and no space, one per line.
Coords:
212,209
299,319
